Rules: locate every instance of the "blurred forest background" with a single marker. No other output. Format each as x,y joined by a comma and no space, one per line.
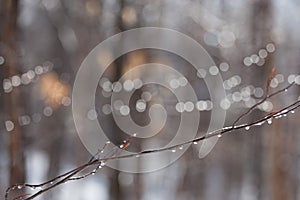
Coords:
43,43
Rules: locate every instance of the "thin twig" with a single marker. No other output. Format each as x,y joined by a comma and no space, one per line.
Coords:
268,96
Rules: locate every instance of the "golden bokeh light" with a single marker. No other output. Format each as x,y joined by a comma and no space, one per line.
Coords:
53,90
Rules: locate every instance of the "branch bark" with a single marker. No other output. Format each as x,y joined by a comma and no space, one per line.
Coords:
17,163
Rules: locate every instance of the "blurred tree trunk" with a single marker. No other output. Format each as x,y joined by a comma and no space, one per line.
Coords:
120,64
16,151
262,20
115,190
278,176
260,26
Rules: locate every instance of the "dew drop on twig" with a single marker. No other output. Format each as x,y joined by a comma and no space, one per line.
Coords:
247,128
94,172
278,116
269,121
260,123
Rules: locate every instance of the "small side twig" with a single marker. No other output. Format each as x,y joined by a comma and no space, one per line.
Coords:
268,96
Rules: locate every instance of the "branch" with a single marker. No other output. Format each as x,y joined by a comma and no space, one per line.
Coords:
100,159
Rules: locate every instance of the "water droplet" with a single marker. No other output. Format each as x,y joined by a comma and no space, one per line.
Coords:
137,156
19,187
259,123
220,135
51,182
247,128
173,150
269,121
93,173
195,142
292,111
102,164
181,147
99,167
